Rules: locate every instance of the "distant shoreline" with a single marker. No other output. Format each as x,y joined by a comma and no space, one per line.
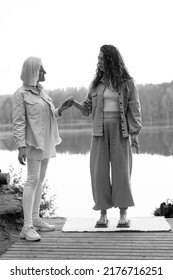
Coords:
7,128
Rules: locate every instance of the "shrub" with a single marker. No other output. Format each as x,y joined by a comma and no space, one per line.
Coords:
16,185
165,209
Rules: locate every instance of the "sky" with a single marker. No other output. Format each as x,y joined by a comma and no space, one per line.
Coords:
67,35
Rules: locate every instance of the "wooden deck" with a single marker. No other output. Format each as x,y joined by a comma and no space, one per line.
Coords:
58,245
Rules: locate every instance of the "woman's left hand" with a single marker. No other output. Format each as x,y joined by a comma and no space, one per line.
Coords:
135,143
22,155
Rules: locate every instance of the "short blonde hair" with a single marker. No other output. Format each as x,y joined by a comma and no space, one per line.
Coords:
30,71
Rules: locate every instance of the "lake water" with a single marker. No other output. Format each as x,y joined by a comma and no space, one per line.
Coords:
69,178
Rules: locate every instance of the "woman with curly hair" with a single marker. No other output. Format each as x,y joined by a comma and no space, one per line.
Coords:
116,122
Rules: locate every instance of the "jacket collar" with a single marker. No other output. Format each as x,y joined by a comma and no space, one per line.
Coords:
34,89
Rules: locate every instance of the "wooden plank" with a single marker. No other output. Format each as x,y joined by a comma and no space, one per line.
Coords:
87,249
84,256
94,245
66,252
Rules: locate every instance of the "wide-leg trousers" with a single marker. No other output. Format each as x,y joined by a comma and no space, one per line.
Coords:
111,165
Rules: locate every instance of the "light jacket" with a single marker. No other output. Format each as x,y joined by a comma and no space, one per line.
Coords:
28,117
130,109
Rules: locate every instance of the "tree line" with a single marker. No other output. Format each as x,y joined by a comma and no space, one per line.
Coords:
156,105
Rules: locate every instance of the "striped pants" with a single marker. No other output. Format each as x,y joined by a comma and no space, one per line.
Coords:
110,166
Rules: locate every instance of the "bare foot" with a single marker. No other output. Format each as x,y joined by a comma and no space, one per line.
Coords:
103,220
123,217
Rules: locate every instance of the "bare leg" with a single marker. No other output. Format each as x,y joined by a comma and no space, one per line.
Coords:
103,218
123,217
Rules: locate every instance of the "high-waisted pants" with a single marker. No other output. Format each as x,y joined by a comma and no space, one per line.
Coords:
110,166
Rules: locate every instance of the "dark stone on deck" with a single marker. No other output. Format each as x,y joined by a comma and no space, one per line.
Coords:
9,204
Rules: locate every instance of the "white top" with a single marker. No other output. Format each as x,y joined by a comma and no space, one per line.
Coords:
49,144
110,101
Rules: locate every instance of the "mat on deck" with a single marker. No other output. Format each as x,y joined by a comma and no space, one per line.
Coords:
137,224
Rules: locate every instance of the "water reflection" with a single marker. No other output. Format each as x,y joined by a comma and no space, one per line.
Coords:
152,141
156,141
75,141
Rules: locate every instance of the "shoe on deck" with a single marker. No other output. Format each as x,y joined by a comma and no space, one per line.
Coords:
39,224
125,225
30,234
102,225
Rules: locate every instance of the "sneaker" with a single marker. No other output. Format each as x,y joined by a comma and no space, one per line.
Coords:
29,233
39,224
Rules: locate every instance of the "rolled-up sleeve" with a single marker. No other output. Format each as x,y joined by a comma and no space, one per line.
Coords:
56,113
87,105
19,119
134,111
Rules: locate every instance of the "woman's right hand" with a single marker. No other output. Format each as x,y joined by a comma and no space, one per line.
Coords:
22,155
71,100
67,103
77,105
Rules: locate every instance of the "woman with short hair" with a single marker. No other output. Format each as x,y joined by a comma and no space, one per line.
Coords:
36,134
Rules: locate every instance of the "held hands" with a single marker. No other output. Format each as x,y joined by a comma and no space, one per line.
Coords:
78,105
69,102
65,105
22,155
135,143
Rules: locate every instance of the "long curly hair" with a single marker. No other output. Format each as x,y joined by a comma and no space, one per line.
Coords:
115,72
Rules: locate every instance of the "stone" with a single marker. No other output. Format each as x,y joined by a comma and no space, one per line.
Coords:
9,204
